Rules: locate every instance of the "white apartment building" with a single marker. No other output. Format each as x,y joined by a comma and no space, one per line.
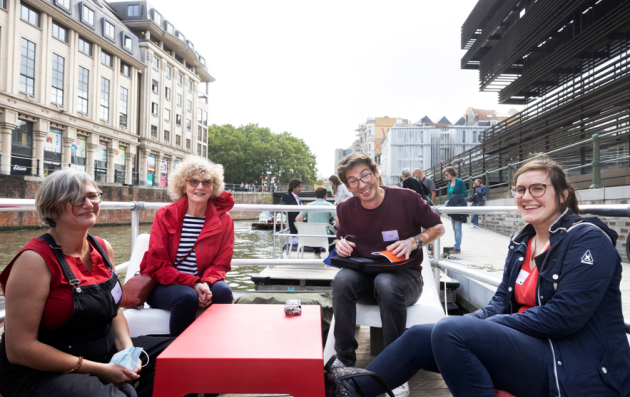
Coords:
422,146
77,91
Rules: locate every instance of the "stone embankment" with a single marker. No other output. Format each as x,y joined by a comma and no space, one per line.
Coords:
20,187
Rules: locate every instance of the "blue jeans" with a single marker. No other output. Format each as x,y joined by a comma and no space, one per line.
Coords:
475,218
474,357
393,292
181,300
457,228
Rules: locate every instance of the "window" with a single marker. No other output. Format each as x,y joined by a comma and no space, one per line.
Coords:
84,81
181,36
189,86
59,32
56,96
167,114
154,108
199,132
188,144
154,87
167,94
475,137
157,17
104,113
464,137
87,15
178,120
65,4
205,117
167,136
169,28
27,68
199,115
85,46
29,15
109,30
125,69
179,59
188,125
127,42
153,132
202,60
169,71
178,140
191,45
106,59
199,149
180,79
189,105
133,11
124,95
156,64
179,100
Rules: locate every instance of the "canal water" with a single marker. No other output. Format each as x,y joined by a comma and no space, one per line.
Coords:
249,244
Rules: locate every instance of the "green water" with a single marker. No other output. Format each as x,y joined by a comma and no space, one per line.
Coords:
249,244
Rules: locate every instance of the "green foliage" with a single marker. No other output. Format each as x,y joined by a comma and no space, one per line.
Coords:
249,151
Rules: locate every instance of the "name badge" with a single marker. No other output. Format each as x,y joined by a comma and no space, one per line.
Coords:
391,235
116,292
522,276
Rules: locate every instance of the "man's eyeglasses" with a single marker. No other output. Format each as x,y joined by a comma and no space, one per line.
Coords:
94,198
365,178
195,182
536,190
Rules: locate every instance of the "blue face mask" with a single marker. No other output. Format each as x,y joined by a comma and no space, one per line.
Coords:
416,178
128,358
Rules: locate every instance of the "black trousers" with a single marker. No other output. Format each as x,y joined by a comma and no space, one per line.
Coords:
27,382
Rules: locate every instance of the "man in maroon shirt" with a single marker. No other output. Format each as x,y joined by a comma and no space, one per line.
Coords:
377,218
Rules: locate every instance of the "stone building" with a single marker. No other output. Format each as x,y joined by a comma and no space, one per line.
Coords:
77,90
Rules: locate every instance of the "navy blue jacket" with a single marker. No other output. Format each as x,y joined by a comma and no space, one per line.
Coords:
457,200
578,307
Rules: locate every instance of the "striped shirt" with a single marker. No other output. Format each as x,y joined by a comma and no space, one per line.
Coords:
190,231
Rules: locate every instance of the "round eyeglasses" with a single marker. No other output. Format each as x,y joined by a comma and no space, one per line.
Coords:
195,182
365,178
535,190
95,198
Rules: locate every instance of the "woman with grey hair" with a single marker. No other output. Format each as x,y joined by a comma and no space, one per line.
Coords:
62,305
191,244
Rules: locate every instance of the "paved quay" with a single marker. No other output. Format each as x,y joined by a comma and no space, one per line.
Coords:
483,247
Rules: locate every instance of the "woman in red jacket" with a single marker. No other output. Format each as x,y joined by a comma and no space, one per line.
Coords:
191,245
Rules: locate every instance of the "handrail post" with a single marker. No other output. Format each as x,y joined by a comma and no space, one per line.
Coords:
135,221
597,170
509,170
488,185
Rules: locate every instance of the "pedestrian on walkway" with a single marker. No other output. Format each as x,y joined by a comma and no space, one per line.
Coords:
479,199
455,186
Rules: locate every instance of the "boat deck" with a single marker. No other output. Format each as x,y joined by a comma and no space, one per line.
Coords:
424,383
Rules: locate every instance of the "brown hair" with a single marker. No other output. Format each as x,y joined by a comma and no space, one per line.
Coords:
321,192
293,183
450,170
335,182
558,178
351,161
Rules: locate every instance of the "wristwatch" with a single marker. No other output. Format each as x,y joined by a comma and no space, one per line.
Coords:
419,242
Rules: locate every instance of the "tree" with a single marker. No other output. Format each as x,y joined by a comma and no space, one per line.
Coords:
249,151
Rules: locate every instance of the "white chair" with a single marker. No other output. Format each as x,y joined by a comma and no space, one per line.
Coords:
145,321
427,310
312,228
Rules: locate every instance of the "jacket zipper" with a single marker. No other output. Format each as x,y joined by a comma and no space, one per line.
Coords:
553,353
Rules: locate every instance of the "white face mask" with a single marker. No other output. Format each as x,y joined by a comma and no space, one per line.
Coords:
128,358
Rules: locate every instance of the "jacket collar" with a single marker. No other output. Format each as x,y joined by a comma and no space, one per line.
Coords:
562,223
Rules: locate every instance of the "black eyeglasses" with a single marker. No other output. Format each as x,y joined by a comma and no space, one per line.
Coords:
365,178
195,182
94,198
536,190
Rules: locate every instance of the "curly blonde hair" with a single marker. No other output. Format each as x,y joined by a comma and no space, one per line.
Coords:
193,165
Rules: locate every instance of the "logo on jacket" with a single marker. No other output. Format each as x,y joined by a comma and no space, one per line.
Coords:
587,258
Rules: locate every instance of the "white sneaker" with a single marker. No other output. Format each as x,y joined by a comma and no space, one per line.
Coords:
402,391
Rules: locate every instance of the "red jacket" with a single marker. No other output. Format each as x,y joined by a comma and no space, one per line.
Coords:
214,246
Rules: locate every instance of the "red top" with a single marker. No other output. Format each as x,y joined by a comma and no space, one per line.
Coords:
526,282
399,217
59,305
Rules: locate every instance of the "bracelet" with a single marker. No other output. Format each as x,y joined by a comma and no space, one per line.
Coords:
73,369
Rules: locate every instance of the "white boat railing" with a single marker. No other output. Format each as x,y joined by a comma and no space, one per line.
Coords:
616,210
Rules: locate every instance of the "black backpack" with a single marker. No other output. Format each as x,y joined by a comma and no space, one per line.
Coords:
336,380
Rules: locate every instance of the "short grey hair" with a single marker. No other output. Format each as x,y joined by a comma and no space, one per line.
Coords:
478,180
406,172
57,189
195,165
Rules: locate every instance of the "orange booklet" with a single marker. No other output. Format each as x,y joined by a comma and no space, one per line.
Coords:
390,256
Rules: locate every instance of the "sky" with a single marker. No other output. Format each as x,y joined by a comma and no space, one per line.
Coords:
318,69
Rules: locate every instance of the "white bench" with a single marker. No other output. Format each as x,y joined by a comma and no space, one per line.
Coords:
427,310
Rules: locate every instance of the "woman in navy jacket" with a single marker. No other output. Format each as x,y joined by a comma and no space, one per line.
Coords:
570,341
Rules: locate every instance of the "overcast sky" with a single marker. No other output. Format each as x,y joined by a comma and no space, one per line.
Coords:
318,69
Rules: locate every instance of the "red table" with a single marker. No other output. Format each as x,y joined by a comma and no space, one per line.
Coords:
245,349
